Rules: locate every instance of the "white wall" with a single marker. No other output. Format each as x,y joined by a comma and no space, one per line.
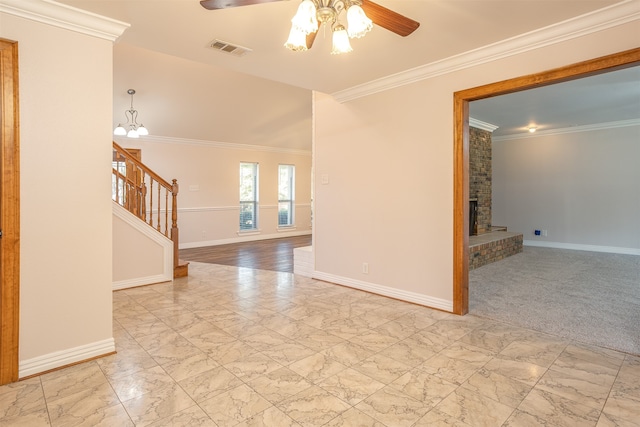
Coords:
65,151
389,159
208,175
178,98
141,255
582,187
203,122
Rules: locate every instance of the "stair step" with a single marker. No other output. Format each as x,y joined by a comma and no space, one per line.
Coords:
181,270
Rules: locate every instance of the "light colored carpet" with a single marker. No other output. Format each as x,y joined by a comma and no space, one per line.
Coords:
589,297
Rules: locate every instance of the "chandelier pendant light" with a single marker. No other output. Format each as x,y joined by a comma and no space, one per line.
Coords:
131,129
313,13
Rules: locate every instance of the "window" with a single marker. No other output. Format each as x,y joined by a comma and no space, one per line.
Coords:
286,191
248,196
118,180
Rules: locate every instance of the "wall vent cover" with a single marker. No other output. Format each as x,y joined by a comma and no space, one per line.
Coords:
227,47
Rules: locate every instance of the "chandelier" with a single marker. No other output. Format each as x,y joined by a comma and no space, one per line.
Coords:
313,13
135,130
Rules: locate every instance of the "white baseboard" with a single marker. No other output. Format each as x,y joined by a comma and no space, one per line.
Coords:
579,247
387,291
141,281
65,357
246,238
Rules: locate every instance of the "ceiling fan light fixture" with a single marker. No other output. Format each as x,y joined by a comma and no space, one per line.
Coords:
312,14
305,19
358,22
297,40
340,41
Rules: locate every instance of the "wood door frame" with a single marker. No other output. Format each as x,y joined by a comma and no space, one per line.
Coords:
9,212
461,101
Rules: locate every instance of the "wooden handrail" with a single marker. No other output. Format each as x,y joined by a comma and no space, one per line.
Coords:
141,165
133,188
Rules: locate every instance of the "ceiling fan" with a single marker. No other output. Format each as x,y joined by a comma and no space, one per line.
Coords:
313,13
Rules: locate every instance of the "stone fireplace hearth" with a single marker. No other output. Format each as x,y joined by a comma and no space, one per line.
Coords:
492,247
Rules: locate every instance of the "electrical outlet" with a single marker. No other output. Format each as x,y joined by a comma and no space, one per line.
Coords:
365,268
544,233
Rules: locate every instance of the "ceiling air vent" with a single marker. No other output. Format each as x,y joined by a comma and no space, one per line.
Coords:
227,47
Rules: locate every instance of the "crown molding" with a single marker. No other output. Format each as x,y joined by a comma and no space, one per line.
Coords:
572,129
67,17
608,17
216,144
479,124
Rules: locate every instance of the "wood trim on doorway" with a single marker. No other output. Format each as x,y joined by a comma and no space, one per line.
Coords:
9,212
461,149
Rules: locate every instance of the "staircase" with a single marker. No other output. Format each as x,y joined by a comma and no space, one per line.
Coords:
150,198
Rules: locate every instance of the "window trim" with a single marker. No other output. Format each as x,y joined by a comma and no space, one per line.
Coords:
291,200
255,201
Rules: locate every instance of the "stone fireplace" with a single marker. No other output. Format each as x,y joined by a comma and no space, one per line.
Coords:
480,176
487,243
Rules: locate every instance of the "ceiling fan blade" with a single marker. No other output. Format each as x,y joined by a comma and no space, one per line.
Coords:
226,4
387,18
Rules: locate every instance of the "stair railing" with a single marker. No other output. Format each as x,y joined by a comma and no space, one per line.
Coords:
145,194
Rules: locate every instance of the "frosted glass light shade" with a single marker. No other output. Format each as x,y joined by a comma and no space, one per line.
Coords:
359,24
142,131
133,134
120,131
340,41
305,19
297,40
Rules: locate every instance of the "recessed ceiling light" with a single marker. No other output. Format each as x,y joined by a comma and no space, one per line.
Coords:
532,128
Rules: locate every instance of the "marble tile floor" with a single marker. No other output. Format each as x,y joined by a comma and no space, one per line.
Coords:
232,346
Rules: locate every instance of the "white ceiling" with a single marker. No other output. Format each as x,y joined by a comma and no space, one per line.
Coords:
605,98
185,29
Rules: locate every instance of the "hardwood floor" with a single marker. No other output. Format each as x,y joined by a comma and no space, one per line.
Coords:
273,254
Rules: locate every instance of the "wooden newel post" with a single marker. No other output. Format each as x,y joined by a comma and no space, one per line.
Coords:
174,221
